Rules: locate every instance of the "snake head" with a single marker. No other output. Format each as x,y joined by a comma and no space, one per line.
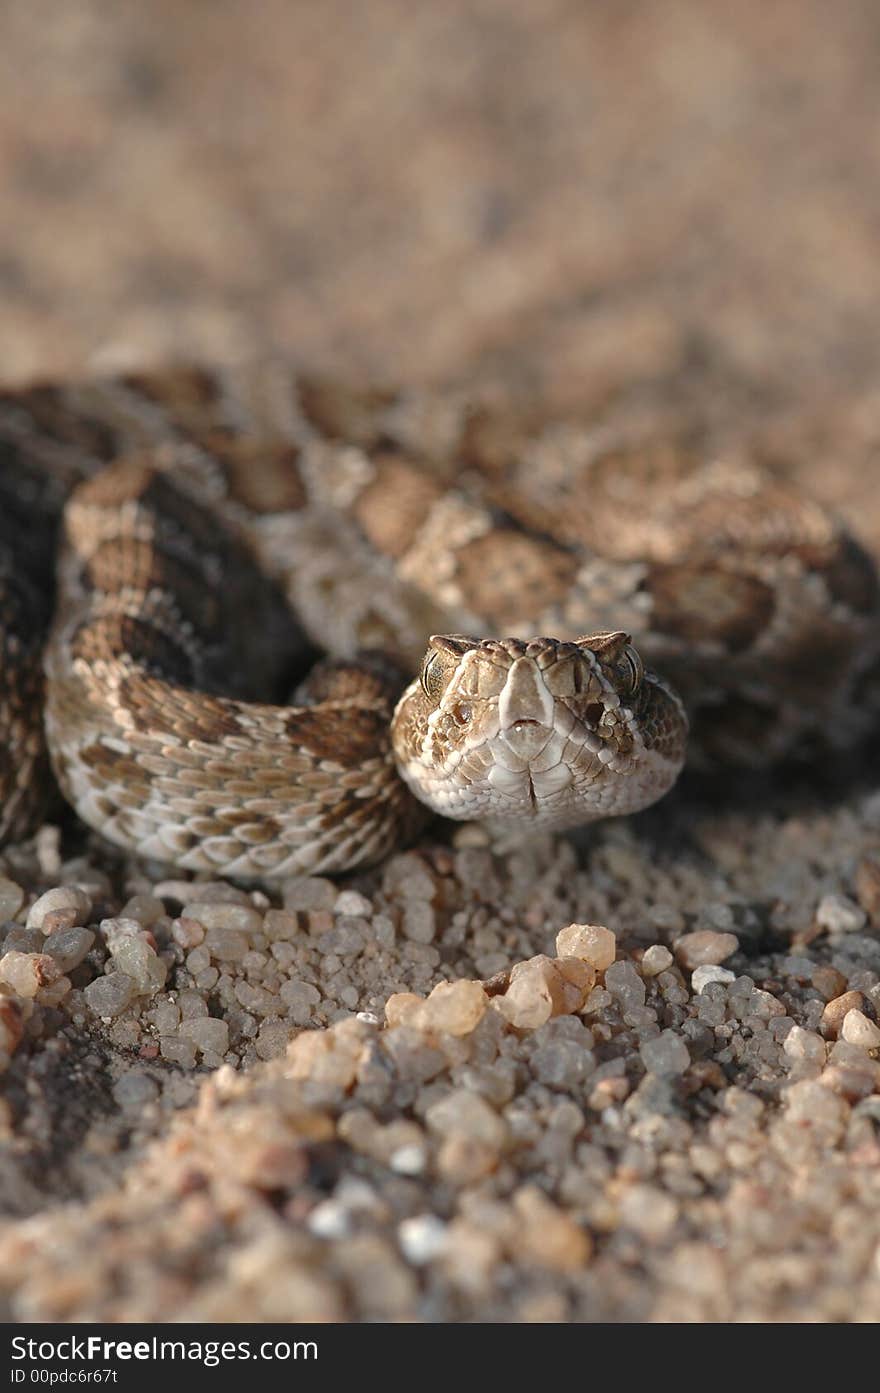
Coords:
539,731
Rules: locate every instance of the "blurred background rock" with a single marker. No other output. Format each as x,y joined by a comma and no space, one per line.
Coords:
675,200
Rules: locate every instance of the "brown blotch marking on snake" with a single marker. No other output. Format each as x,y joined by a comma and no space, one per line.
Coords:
492,439
110,763
598,501
343,412
177,519
393,506
131,564
505,575
263,476
376,678
155,706
250,829
706,601
346,738
105,639
125,482
185,394
350,811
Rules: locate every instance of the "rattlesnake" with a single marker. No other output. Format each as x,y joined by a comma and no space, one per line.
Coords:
218,528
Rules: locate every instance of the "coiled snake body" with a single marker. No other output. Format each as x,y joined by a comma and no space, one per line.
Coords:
213,531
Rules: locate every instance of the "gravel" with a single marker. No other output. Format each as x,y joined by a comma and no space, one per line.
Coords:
596,1130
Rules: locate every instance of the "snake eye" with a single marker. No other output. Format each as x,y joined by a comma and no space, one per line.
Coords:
434,675
631,671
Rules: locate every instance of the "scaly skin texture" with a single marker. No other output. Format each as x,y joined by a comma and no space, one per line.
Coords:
539,734
214,530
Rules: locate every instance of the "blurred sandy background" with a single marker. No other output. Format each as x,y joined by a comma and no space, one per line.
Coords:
671,198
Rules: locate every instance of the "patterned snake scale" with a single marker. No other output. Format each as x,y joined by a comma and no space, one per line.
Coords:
210,536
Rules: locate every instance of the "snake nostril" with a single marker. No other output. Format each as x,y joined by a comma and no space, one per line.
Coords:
594,712
461,713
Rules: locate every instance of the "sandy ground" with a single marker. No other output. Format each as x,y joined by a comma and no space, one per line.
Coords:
667,206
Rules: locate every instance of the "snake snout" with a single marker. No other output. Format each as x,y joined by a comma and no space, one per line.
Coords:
526,737
525,710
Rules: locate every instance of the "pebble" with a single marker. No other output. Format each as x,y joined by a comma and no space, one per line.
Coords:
177,1049
12,1022
407,876
592,942
764,1005
419,921
188,892
69,946
134,1090
702,976
828,982
563,1064
118,930
28,973
422,1238
330,1219
350,902
69,898
273,1037
705,947
146,909
857,1029
666,1056
867,887
189,933
410,1159
655,960
716,915
191,1005
546,1235
542,987
465,1114
625,985
11,899
649,1211
281,925
346,937
226,945
664,916
402,1008
23,940
300,998
813,1104
109,995
804,1045
328,1057
836,1010
309,892
454,1008
839,914
239,918
165,1016
139,961
207,1034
